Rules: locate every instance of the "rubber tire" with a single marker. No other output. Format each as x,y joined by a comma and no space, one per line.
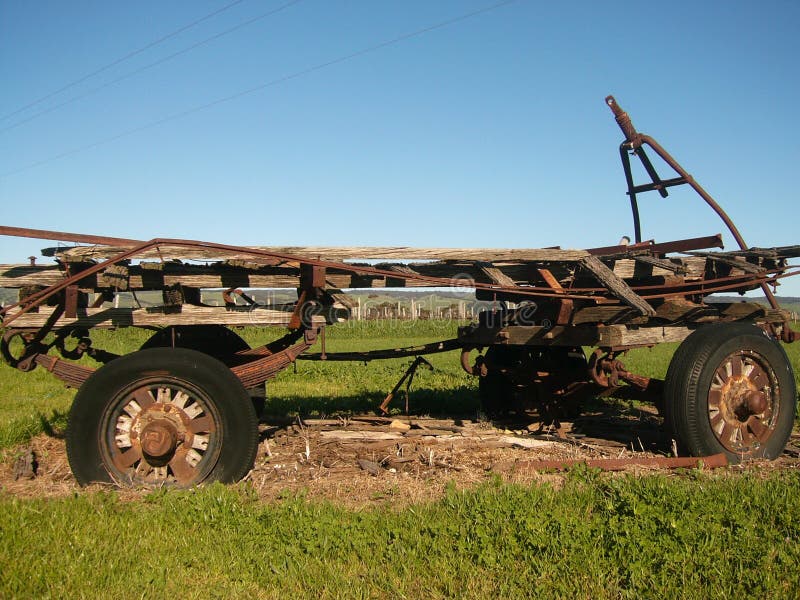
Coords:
673,404
216,341
689,378
237,415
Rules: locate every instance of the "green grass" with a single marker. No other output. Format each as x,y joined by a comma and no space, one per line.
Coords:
598,537
693,535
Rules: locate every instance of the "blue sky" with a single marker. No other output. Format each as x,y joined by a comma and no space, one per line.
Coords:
487,132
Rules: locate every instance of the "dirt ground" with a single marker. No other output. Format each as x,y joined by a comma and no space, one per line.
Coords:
364,461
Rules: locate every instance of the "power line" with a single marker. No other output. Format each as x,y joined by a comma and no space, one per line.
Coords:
121,59
151,65
272,83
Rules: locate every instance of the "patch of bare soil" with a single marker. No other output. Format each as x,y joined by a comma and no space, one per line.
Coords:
364,461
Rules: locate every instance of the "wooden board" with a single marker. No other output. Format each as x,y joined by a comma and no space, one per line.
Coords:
17,276
615,285
335,253
159,317
604,336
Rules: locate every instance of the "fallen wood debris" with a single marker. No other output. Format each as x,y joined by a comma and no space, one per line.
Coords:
361,436
527,442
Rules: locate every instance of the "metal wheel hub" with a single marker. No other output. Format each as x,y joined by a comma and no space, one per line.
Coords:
742,402
163,434
159,440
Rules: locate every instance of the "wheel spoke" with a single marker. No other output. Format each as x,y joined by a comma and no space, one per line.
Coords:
180,399
125,460
143,397
714,398
715,421
182,470
748,369
747,437
200,442
727,434
759,430
760,379
202,425
193,410
737,367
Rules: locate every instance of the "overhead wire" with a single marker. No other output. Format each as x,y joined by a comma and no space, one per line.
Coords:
268,84
123,58
151,65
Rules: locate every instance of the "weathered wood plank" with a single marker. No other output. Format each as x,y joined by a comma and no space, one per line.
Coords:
779,252
187,315
615,285
495,275
730,261
660,265
16,276
335,253
610,335
399,281
592,315
684,310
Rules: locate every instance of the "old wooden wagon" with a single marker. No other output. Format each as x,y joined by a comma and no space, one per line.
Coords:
183,408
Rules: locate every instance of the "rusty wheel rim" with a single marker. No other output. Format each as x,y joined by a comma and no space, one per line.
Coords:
743,402
161,432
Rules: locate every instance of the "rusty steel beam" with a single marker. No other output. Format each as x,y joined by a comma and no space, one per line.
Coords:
62,236
699,243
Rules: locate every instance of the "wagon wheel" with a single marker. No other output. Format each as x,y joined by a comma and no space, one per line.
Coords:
730,389
162,416
215,340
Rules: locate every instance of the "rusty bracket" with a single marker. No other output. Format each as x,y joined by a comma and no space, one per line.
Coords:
296,320
407,377
71,302
782,331
227,297
607,371
565,305
479,369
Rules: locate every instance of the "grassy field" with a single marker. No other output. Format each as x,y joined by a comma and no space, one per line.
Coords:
694,535
597,537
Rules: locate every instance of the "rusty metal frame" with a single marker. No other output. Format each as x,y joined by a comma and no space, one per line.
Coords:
585,294
634,144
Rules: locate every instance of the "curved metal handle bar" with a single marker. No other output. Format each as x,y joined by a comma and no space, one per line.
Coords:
633,141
